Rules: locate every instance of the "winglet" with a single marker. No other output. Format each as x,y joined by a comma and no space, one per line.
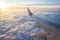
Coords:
30,13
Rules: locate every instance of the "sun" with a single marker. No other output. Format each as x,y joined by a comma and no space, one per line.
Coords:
3,5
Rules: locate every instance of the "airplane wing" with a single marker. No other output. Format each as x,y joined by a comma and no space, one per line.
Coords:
46,26
30,13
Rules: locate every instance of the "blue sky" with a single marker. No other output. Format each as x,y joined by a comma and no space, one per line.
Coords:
34,1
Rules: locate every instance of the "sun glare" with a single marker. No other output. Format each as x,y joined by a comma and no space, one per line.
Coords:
3,5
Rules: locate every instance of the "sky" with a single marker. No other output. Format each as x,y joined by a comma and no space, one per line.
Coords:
33,1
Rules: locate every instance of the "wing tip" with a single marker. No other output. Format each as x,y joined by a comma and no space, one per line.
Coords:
30,13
